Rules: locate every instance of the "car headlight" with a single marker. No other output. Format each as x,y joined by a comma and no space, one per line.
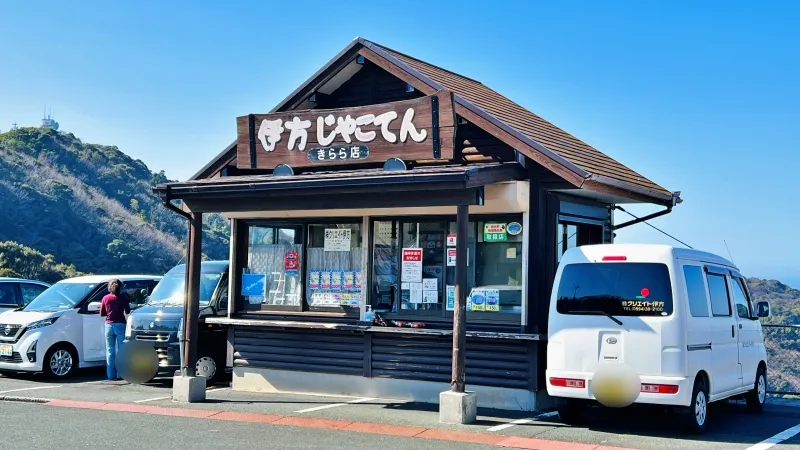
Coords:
129,326
42,323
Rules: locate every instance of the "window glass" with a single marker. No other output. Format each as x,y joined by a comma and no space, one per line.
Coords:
696,290
720,304
334,264
385,256
619,289
422,266
60,296
8,295
30,292
498,268
740,299
138,290
271,276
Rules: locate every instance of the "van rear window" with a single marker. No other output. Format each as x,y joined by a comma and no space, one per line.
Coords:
619,289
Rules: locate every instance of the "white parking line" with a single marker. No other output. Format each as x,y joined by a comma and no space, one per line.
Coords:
152,399
777,439
334,405
522,421
29,389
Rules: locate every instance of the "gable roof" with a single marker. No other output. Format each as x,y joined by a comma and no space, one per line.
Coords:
580,164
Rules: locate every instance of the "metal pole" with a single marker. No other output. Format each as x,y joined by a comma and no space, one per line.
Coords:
182,337
193,294
460,314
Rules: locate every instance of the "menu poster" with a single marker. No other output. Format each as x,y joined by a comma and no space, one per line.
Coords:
326,280
358,279
412,265
451,298
478,298
336,281
313,280
349,281
492,300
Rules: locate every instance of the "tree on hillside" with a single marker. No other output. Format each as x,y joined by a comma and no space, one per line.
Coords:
24,262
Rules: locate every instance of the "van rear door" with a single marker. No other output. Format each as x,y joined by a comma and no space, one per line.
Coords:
612,312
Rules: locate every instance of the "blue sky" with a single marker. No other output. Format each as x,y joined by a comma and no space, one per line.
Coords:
702,97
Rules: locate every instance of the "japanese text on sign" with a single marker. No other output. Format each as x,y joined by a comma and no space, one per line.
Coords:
494,232
412,265
270,132
337,239
642,306
338,153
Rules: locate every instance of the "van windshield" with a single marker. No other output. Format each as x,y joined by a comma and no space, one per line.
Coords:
618,289
169,291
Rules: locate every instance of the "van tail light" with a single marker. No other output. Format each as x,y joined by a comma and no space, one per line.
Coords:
660,388
615,258
568,382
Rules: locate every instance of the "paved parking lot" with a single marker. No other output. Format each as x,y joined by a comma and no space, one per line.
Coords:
730,426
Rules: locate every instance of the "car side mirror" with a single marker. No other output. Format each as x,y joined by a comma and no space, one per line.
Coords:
93,307
762,309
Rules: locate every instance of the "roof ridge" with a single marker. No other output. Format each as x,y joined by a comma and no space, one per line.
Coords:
424,62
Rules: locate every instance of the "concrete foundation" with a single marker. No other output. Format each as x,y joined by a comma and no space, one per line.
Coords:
457,407
251,379
188,389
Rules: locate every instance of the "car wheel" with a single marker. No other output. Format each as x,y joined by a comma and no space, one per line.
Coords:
60,362
758,396
206,367
696,414
571,412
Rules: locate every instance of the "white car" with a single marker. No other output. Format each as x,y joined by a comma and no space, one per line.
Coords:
682,320
61,330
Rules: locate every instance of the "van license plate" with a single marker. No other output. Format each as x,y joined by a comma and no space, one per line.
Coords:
5,350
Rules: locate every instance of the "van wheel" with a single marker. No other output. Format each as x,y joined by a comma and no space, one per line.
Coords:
59,362
571,412
695,415
758,396
206,367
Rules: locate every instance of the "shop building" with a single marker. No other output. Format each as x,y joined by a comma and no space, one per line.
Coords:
345,197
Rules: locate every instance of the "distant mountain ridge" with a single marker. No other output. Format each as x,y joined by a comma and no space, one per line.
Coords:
91,206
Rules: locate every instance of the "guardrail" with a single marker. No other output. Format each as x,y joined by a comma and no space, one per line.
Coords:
783,358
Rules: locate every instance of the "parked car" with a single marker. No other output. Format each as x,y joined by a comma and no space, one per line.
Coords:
160,320
683,320
61,330
18,292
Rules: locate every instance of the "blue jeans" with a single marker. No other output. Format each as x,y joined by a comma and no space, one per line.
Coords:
115,335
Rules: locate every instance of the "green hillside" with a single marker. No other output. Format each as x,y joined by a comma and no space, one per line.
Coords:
781,332
91,206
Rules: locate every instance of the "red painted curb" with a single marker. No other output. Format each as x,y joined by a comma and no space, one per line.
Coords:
342,425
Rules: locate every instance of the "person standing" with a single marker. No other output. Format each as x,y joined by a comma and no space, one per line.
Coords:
114,307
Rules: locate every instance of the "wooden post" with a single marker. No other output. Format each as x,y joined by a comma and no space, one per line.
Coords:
192,294
460,314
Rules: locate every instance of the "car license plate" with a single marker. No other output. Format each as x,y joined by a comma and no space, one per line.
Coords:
5,350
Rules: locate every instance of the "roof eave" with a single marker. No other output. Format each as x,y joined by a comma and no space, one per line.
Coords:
602,183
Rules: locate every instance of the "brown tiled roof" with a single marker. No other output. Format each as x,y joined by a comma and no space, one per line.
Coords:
534,127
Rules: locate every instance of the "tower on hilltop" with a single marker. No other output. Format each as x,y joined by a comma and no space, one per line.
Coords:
49,122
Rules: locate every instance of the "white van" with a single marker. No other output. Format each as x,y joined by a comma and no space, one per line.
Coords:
61,329
684,320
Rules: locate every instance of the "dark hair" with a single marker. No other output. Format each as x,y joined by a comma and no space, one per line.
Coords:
115,286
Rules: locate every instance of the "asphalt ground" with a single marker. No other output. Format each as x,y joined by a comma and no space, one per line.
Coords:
730,426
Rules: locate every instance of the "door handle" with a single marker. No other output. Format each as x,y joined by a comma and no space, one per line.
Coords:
733,330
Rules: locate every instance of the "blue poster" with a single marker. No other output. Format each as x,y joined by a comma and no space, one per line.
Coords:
253,284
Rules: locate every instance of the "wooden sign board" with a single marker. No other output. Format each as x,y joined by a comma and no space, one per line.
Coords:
422,128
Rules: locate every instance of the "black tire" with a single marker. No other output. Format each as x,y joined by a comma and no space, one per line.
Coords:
571,412
695,416
758,396
208,367
60,362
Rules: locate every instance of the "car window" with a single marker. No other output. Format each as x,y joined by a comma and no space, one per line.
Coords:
8,295
718,288
740,299
696,290
134,289
30,292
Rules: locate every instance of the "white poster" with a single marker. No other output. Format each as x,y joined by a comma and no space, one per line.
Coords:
412,265
415,292
430,284
451,257
430,296
337,239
